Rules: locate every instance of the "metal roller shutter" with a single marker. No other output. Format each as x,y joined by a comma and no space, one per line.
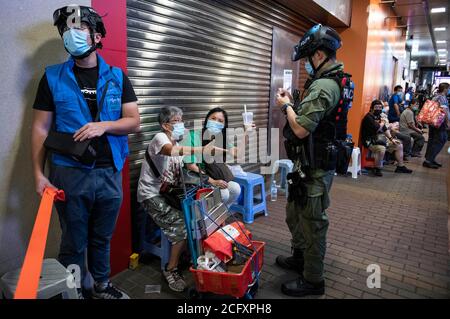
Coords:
198,55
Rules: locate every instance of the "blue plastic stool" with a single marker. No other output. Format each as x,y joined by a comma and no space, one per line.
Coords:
164,248
245,204
285,166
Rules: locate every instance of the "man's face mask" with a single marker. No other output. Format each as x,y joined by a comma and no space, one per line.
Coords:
309,68
76,42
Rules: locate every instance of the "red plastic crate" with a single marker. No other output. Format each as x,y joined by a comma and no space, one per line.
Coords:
222,283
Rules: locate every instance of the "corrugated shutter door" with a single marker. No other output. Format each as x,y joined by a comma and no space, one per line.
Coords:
191,55
198,55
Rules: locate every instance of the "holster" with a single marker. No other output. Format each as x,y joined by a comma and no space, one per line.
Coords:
326,156
297,189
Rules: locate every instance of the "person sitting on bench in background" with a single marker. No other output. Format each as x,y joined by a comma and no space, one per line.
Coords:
409,127
378,139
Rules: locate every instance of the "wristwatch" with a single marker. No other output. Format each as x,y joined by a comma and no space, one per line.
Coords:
284,108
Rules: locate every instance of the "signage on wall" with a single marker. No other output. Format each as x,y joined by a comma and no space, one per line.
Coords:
287,80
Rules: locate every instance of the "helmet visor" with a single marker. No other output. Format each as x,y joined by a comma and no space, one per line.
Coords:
295,54
62,14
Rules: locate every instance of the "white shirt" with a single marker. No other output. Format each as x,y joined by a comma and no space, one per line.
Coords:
168,166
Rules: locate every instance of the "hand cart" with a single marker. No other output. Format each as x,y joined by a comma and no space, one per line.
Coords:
204,213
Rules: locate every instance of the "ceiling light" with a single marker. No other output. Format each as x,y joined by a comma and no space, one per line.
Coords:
438,10
440,29
442,50
441,41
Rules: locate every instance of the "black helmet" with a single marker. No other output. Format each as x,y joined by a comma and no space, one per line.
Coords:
317,37
85,14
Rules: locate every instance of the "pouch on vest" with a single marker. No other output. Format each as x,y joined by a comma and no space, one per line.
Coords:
64,144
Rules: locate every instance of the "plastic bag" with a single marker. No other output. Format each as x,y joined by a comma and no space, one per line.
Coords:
221,241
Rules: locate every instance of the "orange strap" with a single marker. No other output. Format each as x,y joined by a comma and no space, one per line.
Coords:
28,283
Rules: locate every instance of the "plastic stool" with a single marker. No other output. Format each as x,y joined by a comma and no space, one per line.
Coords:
367,161
162,250
285,166
246,205
355,165
53,282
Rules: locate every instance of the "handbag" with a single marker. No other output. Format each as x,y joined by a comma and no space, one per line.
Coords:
63,143
432,114
174,194
219,171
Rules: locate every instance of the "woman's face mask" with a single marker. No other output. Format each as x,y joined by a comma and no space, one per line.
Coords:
178,131
377,112
214,127
76,42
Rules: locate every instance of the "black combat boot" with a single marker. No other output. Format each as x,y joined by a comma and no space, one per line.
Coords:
300,287
294,262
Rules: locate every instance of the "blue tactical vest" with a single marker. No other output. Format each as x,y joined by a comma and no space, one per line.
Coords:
72,111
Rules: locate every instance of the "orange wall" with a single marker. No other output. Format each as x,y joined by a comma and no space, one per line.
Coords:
353,55
369,46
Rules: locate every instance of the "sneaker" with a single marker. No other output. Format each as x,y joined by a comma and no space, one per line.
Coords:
430,165
403,169
175,280
108,291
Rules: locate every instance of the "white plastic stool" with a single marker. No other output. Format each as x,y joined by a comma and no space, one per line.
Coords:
53,281
286,166
355,164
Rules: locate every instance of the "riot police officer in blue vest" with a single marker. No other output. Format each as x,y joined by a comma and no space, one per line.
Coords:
88,100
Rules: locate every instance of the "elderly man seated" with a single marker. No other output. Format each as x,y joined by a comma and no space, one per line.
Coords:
409,127
378,139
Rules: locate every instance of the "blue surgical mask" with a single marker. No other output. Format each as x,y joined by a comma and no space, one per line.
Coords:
76,42
309,68
178,131
214,127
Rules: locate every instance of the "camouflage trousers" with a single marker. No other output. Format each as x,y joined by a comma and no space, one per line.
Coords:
169,219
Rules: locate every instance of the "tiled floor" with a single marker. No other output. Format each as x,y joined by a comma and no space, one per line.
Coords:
398,222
